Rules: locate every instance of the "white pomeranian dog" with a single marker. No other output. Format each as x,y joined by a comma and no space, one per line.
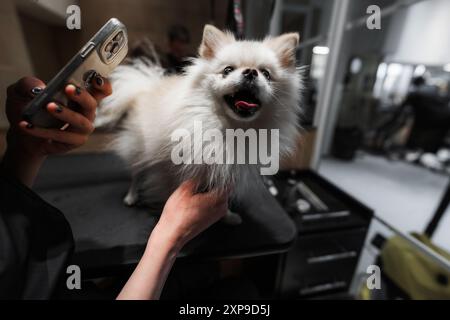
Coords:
231,85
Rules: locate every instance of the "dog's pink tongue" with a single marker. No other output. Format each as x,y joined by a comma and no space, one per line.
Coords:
245,105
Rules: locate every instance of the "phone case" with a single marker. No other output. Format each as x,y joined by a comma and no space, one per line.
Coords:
105,51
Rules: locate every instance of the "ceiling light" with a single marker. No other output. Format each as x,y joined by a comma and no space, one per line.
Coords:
321,50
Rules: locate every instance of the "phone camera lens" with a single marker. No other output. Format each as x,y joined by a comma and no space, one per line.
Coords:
109,47
115,48
118,37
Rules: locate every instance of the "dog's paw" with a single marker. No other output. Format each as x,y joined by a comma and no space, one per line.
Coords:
232,219
130,199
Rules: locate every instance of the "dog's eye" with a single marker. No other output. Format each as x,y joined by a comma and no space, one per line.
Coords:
227,70
266,74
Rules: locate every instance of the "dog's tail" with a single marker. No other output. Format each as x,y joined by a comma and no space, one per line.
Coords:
127,81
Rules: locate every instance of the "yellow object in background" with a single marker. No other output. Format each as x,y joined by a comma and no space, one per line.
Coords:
418,276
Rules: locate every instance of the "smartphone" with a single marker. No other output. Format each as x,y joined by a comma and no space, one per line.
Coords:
107,48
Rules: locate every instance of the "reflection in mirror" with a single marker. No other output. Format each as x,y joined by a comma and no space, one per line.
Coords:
386,139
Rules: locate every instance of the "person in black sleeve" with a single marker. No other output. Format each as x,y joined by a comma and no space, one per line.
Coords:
36,240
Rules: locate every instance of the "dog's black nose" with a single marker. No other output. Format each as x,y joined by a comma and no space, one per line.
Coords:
250,74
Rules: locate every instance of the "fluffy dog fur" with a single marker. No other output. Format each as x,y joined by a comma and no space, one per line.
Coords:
155,105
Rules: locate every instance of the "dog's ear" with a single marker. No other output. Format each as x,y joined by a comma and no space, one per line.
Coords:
285,47
212,40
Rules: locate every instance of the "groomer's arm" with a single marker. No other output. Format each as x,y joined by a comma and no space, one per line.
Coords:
185,215
28,146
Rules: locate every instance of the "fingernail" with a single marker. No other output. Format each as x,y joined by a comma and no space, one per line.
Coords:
36,90
99,80
29,125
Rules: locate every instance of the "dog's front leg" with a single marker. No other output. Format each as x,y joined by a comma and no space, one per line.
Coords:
232,218
132,195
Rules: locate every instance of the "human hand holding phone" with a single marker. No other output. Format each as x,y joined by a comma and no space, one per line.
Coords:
57,117
28,146
38,142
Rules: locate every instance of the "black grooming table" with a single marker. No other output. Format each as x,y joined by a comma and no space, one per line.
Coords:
89,188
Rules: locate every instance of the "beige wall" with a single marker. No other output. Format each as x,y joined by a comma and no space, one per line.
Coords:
49,46
40,44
